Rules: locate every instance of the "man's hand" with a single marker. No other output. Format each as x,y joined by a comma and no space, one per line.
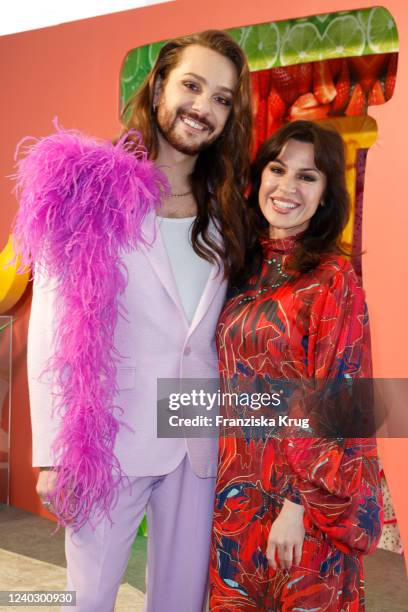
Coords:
286,536
45,486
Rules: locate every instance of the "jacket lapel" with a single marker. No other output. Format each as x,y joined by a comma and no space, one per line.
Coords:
214,282
156,253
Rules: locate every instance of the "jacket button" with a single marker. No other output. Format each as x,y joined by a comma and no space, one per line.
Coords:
187,350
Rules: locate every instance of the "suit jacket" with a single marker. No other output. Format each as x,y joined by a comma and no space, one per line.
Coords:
154,340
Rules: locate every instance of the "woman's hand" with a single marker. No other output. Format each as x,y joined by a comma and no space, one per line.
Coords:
286,536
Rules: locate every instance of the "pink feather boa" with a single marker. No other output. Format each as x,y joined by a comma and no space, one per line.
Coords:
82,203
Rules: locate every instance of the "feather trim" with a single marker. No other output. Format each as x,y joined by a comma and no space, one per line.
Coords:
82,203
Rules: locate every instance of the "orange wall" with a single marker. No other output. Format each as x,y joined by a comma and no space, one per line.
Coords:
72,71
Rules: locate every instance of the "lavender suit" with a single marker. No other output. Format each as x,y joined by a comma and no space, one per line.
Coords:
172,478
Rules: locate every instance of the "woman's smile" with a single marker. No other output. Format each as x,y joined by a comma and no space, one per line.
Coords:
292,187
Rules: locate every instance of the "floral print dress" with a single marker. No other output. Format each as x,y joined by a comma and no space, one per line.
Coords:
307,327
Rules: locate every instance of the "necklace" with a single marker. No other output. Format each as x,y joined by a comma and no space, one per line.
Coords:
179,195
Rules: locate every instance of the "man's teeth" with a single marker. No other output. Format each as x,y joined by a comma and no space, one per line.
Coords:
193,124
281,204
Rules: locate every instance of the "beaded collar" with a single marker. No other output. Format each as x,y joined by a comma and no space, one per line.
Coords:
282,246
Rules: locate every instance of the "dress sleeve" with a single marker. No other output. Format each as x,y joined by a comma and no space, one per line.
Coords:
336,478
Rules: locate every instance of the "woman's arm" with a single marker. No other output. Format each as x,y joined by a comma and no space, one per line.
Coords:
337,479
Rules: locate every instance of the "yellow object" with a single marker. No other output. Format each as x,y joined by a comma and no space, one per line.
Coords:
12,283
358,132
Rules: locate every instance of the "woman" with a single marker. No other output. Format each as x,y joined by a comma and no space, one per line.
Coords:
294,515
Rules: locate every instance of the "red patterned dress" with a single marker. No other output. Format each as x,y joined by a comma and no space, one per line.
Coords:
283,327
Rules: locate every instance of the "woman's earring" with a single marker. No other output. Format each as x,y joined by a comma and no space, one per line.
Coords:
321,202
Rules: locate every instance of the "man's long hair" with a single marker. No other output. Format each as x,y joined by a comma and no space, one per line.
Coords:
221,172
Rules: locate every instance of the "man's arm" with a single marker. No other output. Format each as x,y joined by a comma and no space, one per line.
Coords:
44,423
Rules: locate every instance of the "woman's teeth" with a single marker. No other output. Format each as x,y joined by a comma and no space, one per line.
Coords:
285,205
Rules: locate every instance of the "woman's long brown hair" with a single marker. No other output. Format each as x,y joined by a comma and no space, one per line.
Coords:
221,172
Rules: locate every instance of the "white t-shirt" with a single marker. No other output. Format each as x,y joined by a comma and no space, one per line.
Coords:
190,271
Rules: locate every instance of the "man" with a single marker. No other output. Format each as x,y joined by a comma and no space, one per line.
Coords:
194,114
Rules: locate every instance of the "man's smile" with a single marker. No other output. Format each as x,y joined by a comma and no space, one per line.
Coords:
194,123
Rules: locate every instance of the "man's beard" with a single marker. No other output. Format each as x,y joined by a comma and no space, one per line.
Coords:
168,129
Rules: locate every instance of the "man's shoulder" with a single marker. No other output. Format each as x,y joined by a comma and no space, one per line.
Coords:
72,188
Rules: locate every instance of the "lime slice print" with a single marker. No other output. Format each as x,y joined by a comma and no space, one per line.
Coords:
239,34
131,65
261,45
154,49
363,16
343,37
301,44
130,76
322,18
382,33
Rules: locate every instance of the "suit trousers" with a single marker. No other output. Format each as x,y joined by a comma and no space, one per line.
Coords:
179,509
